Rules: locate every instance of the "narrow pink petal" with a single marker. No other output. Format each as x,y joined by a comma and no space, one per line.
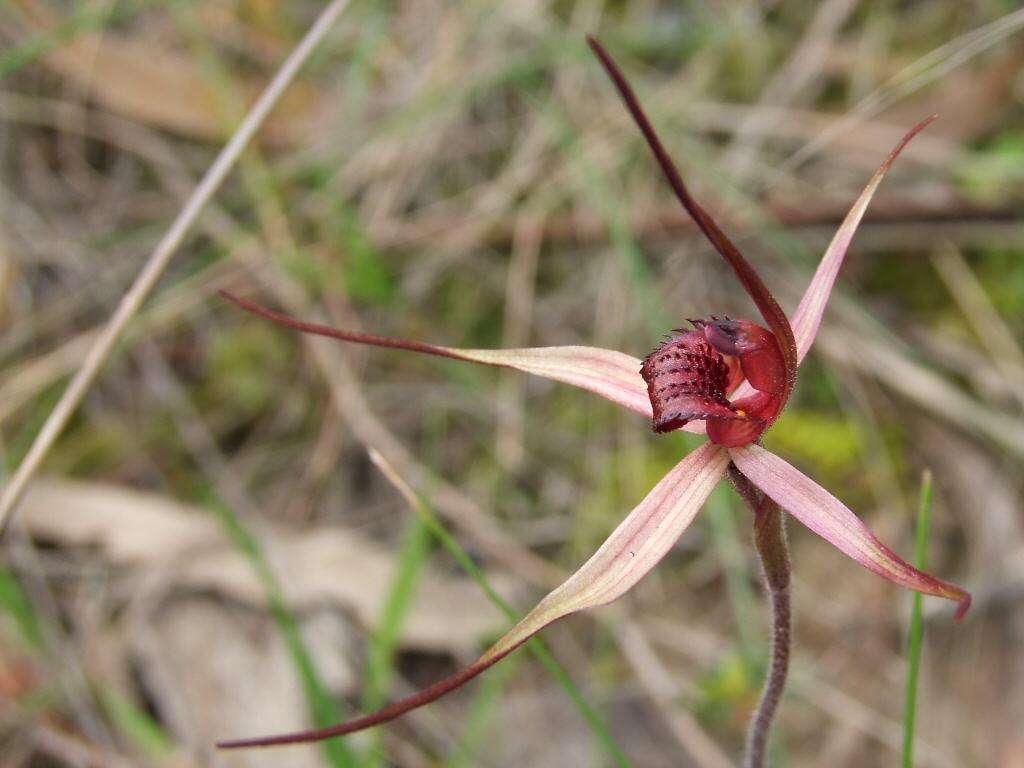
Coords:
633,549
611,374
828,517
640,541
807,318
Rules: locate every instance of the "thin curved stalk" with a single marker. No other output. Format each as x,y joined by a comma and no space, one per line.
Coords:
770,540
774,685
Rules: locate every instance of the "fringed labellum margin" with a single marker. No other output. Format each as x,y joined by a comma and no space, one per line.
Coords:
689,377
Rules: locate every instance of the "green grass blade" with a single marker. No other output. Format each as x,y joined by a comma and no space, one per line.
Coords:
88,18
137,726
481,714
916,633
380,660
14,600
536,646
322,706
140,729
721,516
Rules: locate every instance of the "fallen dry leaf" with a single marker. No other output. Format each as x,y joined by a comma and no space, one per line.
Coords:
143,79
216,672
324,566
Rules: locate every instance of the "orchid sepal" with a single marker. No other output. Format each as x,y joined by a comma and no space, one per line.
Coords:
828,517
752,283
639,542
807,318
613,375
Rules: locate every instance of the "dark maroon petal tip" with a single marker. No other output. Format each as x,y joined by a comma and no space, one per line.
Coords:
388,713
356,337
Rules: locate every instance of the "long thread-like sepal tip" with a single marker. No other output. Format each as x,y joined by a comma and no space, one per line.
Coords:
748,276
385,714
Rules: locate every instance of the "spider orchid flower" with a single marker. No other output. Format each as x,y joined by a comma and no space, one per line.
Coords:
728,379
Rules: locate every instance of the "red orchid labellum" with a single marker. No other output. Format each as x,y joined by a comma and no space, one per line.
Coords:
689,377
727,378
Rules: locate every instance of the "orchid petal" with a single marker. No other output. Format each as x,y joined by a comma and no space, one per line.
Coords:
828,517
606,372
807,318
613,375
634,548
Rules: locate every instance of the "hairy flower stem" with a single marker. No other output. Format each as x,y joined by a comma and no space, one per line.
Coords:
770,540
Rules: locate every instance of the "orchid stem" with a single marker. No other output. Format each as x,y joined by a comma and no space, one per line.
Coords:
775,560
770,540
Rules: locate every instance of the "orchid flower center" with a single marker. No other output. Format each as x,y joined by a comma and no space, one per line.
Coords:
690,376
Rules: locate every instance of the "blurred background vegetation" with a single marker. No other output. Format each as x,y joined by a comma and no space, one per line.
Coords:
210,552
